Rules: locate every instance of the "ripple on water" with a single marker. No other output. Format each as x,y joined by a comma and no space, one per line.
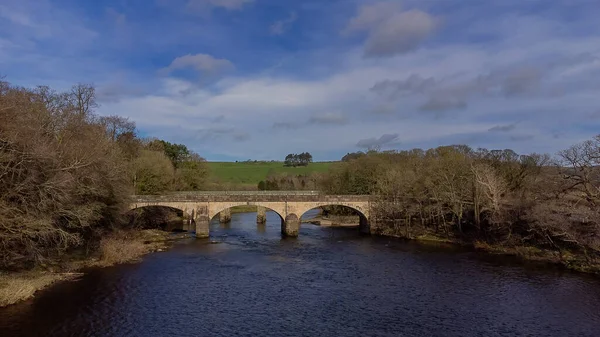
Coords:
328,282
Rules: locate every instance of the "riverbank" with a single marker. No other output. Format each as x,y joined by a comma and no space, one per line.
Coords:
117,248
570,260
334,220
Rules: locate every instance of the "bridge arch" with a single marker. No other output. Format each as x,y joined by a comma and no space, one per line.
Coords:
363,214
213,211
182,207
160,216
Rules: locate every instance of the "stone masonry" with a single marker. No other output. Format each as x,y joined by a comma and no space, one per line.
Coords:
290,208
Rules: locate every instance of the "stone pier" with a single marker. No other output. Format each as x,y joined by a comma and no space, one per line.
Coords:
261,215
290,226
202,226
225,216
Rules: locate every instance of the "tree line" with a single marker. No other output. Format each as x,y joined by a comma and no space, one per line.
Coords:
66,173
491,198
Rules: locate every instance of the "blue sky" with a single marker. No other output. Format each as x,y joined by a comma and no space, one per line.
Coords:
241,79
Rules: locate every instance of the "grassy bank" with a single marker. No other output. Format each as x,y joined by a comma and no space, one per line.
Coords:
19,287
251,173
568,259
116,248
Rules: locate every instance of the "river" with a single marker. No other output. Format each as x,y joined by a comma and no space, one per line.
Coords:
327,282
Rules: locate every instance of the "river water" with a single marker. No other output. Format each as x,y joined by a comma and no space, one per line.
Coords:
327,282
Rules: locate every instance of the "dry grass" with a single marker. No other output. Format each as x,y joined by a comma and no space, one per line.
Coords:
124,246
118,247
19,287
117,250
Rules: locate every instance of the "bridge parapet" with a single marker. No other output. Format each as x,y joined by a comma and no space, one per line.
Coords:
246,197
245,193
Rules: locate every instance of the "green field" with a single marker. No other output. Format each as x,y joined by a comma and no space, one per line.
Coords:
251,173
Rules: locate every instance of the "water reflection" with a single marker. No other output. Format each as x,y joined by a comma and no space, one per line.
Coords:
327,282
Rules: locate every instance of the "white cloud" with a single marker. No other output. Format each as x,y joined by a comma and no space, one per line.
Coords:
203,63
524,69
266,107
281,26
390,30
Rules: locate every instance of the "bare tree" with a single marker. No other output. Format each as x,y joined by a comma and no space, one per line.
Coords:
83,98
116,126
580,167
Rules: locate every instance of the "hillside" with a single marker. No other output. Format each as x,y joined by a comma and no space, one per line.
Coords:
251,173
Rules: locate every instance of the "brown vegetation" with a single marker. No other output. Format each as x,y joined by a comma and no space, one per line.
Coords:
65,178
66,173
122,246
17,288
507,202
62,178
116,249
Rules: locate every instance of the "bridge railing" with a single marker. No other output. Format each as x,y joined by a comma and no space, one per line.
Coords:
208,196
250,193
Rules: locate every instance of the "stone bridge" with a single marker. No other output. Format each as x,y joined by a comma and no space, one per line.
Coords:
201,207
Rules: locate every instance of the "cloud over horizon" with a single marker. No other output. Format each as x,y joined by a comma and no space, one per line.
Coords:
259,79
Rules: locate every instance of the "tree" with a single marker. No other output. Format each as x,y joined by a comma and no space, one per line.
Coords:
191,174
580,165
116,126
154,173
177,153
289,160
302,159
83,98
62,180
490,189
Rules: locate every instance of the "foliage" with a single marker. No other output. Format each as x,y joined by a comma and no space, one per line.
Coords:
302,159
177,153
163,166
192,174
353,155
154,172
